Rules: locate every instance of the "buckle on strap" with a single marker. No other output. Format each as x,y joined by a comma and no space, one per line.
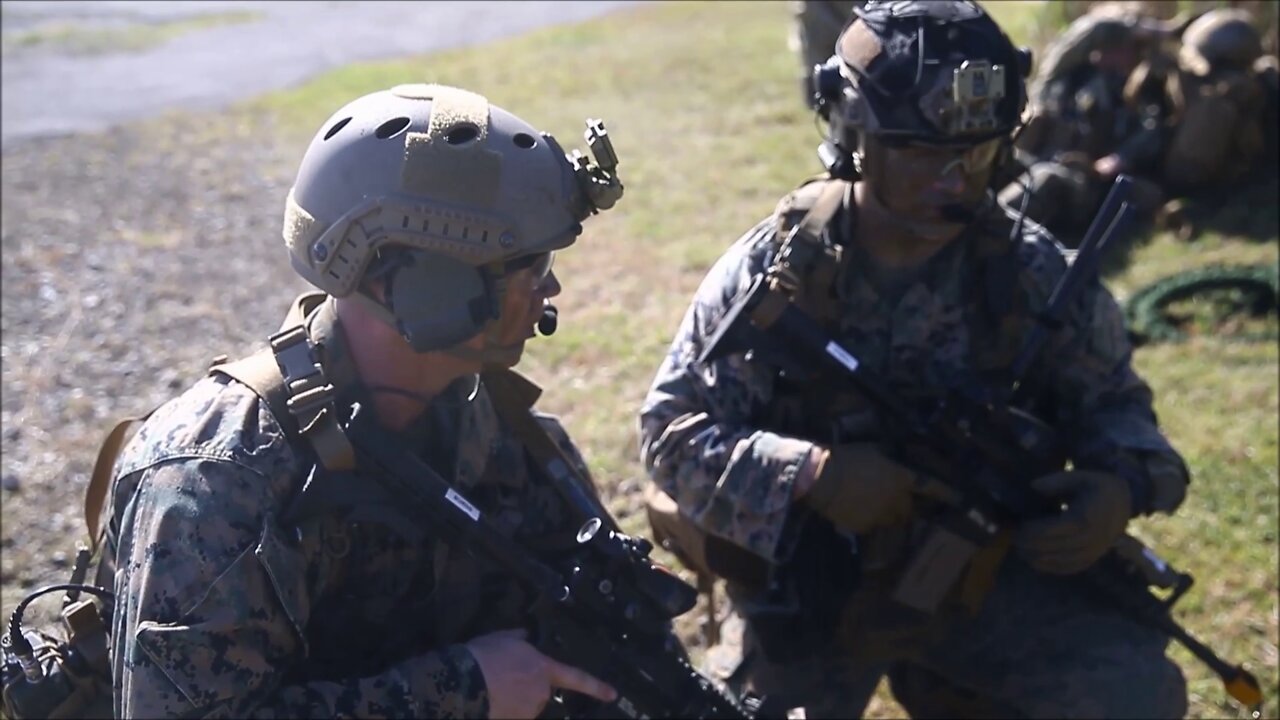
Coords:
292,349
310,395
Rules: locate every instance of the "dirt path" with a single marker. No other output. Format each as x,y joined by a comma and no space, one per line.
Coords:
50,92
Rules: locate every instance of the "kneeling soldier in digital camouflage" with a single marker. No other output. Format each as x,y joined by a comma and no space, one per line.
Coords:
257,573
778,477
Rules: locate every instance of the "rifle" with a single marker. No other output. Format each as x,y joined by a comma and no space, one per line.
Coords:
604,606
983,451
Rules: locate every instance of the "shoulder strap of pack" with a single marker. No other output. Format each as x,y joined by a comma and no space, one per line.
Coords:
513,396
289,378
806,265
299,405
96,494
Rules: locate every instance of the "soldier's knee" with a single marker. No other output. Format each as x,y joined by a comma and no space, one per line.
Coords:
1155,690
926,694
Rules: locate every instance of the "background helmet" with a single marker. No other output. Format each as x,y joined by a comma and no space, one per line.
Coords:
434,190
1222,38
929,72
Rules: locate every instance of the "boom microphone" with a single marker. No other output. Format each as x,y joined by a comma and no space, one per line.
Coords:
547,323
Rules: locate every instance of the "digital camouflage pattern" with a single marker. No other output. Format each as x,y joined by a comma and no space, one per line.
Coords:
237,600
712,438
1037,649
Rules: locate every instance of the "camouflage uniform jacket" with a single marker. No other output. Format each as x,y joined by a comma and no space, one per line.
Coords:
707,435
231,605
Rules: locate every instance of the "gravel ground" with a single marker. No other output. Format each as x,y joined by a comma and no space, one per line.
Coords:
130,259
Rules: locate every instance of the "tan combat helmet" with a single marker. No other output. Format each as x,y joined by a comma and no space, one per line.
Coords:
1221,39
435,190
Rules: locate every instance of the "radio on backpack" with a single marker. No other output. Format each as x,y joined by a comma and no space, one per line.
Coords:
60,670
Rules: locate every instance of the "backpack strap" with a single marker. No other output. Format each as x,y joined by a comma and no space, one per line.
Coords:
1000,323
806,266
288,376
299,405
96,494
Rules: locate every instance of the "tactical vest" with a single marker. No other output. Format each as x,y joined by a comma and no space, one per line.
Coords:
294,386
811,262
997,323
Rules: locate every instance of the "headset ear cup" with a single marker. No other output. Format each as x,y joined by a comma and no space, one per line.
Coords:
438,301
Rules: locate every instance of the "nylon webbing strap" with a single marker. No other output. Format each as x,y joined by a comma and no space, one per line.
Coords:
96,494
824,208
259,372
513,396
806,267
310,398
288,378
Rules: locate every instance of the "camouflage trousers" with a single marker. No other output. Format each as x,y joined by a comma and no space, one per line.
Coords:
1037,648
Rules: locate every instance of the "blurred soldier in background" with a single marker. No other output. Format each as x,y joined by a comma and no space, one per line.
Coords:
817,25
1227,89
1099,107
1182,105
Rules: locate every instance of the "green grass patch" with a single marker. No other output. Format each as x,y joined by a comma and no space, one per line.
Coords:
80,39
701,102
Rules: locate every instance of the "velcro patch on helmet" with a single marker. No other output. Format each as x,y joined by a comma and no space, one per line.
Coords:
451,160
300,226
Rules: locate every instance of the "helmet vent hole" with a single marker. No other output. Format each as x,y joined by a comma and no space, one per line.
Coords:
461,134
524,141
336,127
391,128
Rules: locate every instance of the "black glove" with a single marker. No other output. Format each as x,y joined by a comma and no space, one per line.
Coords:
1097,512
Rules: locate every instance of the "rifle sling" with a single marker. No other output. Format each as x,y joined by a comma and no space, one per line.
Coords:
513,396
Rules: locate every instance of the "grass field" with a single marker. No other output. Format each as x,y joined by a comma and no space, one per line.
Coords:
702,103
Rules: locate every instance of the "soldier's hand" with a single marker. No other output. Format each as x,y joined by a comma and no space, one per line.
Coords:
858,489
520,680
1097,512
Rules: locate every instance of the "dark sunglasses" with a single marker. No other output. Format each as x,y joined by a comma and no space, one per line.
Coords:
539,262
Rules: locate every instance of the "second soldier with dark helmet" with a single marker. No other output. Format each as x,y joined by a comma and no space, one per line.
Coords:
783,482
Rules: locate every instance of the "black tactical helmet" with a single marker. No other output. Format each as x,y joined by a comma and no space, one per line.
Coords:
935,72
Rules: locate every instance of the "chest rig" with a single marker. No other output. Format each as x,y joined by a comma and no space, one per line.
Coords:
808,264
817,405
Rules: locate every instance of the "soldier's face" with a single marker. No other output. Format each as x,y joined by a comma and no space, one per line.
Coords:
921,180
528,290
